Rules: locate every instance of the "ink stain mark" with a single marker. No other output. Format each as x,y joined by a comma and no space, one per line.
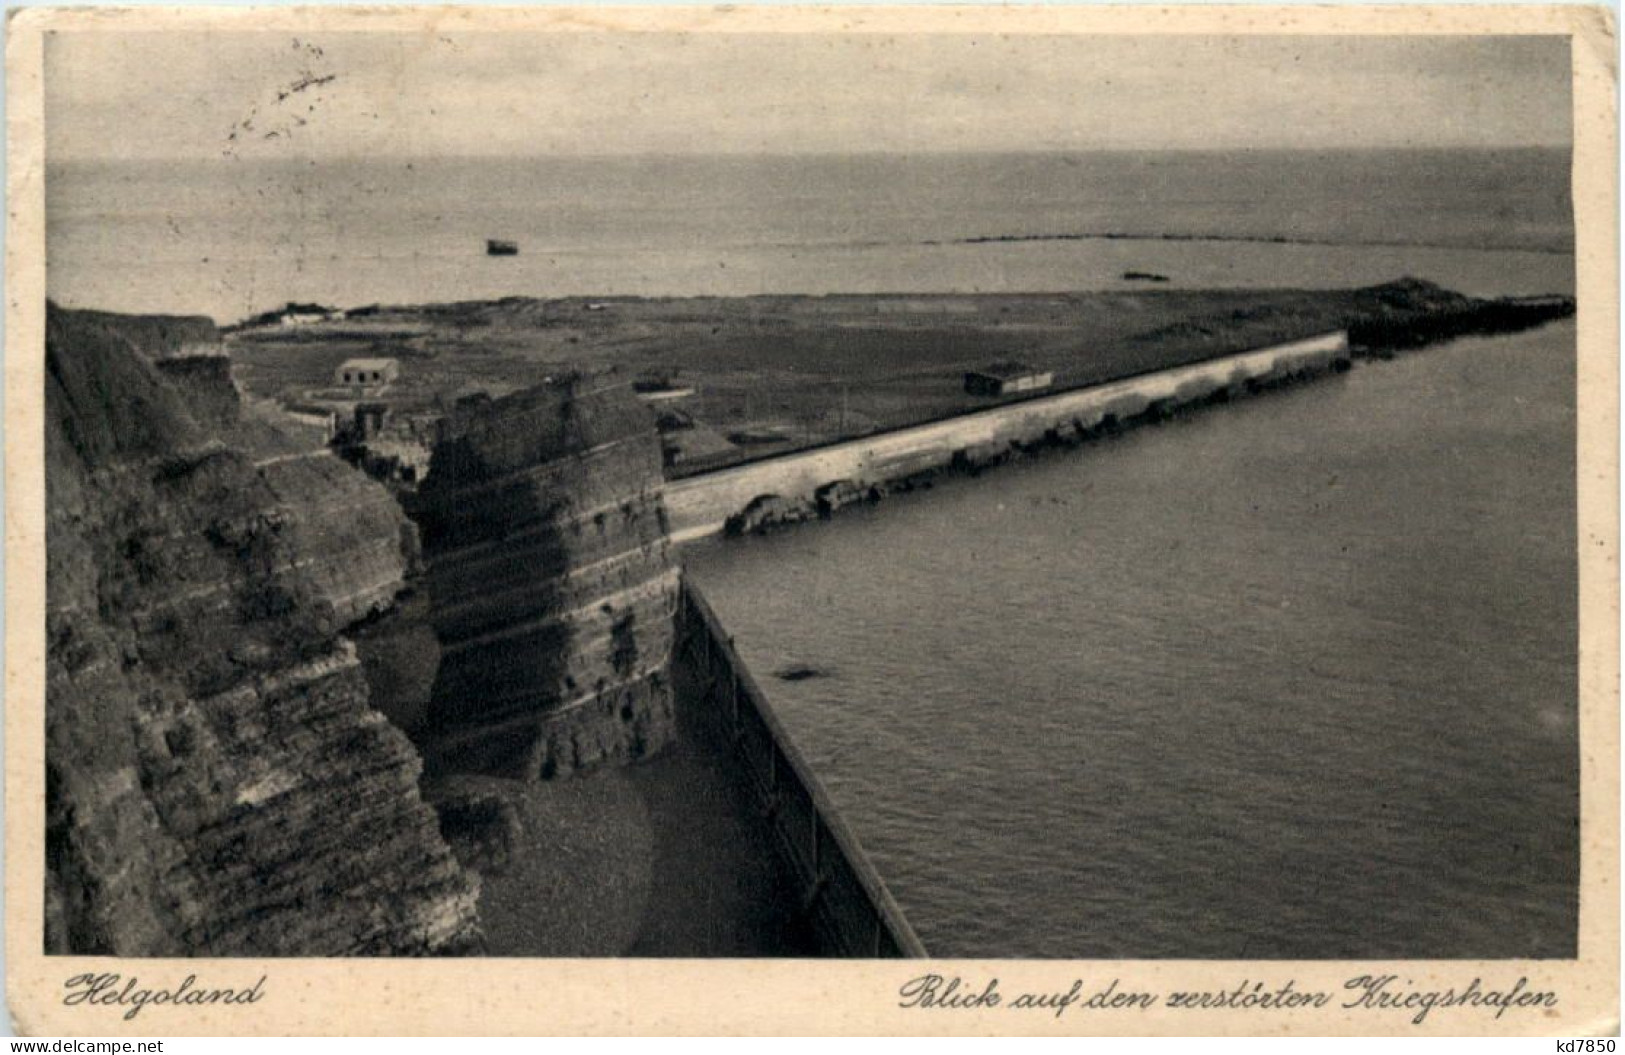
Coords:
305,83
272,112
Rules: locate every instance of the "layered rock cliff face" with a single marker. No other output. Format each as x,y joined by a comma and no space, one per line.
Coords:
217,781
153,336
550,584
205,382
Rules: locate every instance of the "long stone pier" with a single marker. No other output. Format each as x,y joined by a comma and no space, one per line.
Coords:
704,504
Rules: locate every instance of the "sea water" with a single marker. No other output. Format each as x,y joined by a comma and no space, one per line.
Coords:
1293,678
230,238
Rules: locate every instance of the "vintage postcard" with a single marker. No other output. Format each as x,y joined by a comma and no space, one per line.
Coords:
779,520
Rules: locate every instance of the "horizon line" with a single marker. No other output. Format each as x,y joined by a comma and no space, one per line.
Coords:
1480,148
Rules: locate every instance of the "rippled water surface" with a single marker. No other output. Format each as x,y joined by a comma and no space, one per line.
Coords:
1291,678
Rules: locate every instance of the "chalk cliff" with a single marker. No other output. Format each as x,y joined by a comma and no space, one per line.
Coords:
217,782
551,589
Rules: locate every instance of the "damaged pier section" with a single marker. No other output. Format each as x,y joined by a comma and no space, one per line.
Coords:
845,903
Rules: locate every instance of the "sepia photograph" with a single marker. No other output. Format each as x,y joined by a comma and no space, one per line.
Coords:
807,492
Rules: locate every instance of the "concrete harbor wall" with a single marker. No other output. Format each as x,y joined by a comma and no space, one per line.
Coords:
847,907
787,486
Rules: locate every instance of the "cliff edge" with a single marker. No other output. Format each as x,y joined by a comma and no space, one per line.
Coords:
218,782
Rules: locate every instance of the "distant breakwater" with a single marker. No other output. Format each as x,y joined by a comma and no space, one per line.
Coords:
1254,239
815,483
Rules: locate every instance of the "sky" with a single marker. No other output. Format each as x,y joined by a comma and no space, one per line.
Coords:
114,96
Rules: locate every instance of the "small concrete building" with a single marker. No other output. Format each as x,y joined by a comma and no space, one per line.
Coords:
1003,379
367,373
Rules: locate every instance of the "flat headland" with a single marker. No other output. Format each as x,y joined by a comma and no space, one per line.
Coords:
733,379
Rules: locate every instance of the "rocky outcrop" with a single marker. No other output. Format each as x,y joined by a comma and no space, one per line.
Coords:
550,585
217,781
1412,312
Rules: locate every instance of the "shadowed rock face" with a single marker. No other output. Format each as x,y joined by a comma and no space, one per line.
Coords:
550,584
217,782
205,382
